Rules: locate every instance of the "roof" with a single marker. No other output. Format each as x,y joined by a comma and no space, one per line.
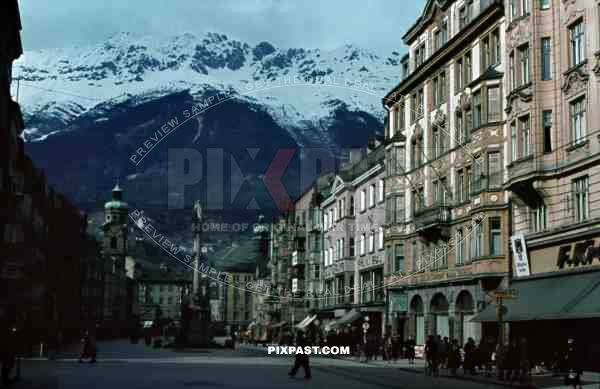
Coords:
358,168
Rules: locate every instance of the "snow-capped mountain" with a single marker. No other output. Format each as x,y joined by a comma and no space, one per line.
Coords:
295,85
88,109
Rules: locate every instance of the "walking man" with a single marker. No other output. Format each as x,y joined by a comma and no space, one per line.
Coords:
301,359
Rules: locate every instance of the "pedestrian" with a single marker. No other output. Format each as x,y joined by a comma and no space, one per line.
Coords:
430,355
454,357
573,362
301,359
410,350
8,352
525,362
88,348
396,345
470,352
513,360
444,351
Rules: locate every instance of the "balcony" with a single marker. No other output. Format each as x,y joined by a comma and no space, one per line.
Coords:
339,267
522,173
435,219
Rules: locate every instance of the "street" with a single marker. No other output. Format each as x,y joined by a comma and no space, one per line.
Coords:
122,365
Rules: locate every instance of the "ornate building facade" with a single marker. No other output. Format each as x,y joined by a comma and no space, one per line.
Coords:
446,207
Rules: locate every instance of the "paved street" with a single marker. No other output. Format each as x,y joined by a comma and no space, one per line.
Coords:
121,365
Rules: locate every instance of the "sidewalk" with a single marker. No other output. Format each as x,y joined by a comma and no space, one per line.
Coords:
540,380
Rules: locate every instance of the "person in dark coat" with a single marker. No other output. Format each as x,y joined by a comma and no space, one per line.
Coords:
513,358
301,360
430,354
396,345
88,348
410,350
8,352
573,361
454,357
470,353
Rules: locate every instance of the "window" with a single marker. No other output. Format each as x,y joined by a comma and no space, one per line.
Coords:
524,68
524,7
577,43
371,241
362,243
539,218
351,250
525,127
477,109
478,241
546,59
351,205
468,69
331,218
495,236
400,117
399,258
497,49
477,174
459,74
494,170
400,159
399,209
460,247
405,69
113,243
437,39
547,124
545,4
512,71
577,113
485,53
513,142
371,195
513,9
460,186
420,103
380,238
580,198
469,180
494,102
462,17
458,122
380,191
419,55
363,200
414,255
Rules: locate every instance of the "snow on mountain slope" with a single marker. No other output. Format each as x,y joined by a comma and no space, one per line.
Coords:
300,88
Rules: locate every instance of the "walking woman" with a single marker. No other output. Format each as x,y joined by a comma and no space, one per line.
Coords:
573,365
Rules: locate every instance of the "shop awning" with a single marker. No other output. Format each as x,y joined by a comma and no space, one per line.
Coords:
560,296
306,321
347,318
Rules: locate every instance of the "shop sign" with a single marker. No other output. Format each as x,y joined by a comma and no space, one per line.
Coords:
519,249
581,253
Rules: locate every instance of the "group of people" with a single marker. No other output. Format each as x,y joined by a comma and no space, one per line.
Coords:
449,355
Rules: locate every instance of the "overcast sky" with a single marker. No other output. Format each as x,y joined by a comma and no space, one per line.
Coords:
377,24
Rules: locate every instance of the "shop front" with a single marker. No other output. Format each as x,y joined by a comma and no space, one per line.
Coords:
557,296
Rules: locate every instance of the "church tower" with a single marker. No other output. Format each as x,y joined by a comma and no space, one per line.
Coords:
114,245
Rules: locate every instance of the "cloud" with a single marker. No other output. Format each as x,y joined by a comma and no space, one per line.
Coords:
285,23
